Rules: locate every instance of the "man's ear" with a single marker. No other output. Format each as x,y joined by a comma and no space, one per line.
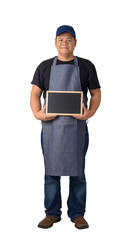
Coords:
55,41
75,42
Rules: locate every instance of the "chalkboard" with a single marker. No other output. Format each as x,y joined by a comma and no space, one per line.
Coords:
64,102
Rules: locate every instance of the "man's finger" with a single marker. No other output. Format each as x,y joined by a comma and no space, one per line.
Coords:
51,115
44,107
76,116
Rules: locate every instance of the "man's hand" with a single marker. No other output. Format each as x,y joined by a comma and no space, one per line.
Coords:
94,104
86,114
41,115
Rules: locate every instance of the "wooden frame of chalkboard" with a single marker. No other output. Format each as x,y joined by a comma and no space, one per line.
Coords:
64,102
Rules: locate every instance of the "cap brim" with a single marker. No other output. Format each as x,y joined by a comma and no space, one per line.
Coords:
67,32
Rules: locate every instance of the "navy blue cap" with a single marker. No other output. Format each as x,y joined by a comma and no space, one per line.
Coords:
65,28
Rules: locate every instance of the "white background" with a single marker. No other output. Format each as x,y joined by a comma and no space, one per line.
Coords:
27,37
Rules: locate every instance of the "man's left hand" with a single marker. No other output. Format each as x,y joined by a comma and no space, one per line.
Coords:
86,114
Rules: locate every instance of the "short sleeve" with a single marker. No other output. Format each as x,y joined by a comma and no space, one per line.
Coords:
93,81
38,78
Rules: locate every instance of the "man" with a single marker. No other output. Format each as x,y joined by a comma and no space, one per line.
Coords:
64,139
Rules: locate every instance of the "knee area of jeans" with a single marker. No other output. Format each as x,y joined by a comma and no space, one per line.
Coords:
78,179
52,179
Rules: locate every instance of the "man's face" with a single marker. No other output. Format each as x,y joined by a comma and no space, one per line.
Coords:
65,44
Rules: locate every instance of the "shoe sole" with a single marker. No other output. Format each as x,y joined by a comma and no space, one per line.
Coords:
80,227
57,220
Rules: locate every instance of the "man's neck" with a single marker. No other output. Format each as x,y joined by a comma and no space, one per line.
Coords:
65,58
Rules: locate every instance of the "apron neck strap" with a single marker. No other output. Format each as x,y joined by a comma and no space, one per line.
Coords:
75,61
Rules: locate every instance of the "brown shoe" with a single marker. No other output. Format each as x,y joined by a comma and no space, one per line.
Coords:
48,221
80,222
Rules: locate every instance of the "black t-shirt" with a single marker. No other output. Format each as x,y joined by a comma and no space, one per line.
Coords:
88,74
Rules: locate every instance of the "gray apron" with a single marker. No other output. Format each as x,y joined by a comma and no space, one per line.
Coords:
64,137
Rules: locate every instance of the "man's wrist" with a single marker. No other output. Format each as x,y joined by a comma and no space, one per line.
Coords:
91,112
35,114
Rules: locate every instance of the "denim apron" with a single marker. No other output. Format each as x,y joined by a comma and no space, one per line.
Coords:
64,137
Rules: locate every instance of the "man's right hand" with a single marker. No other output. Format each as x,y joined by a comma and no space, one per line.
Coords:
41,115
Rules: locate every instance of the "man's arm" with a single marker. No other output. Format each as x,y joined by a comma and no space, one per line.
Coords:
35,101
95,100
35,104
94,104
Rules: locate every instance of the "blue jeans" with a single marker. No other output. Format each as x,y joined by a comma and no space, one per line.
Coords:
76,201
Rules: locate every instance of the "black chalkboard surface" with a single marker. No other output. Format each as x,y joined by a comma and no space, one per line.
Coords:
64,102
